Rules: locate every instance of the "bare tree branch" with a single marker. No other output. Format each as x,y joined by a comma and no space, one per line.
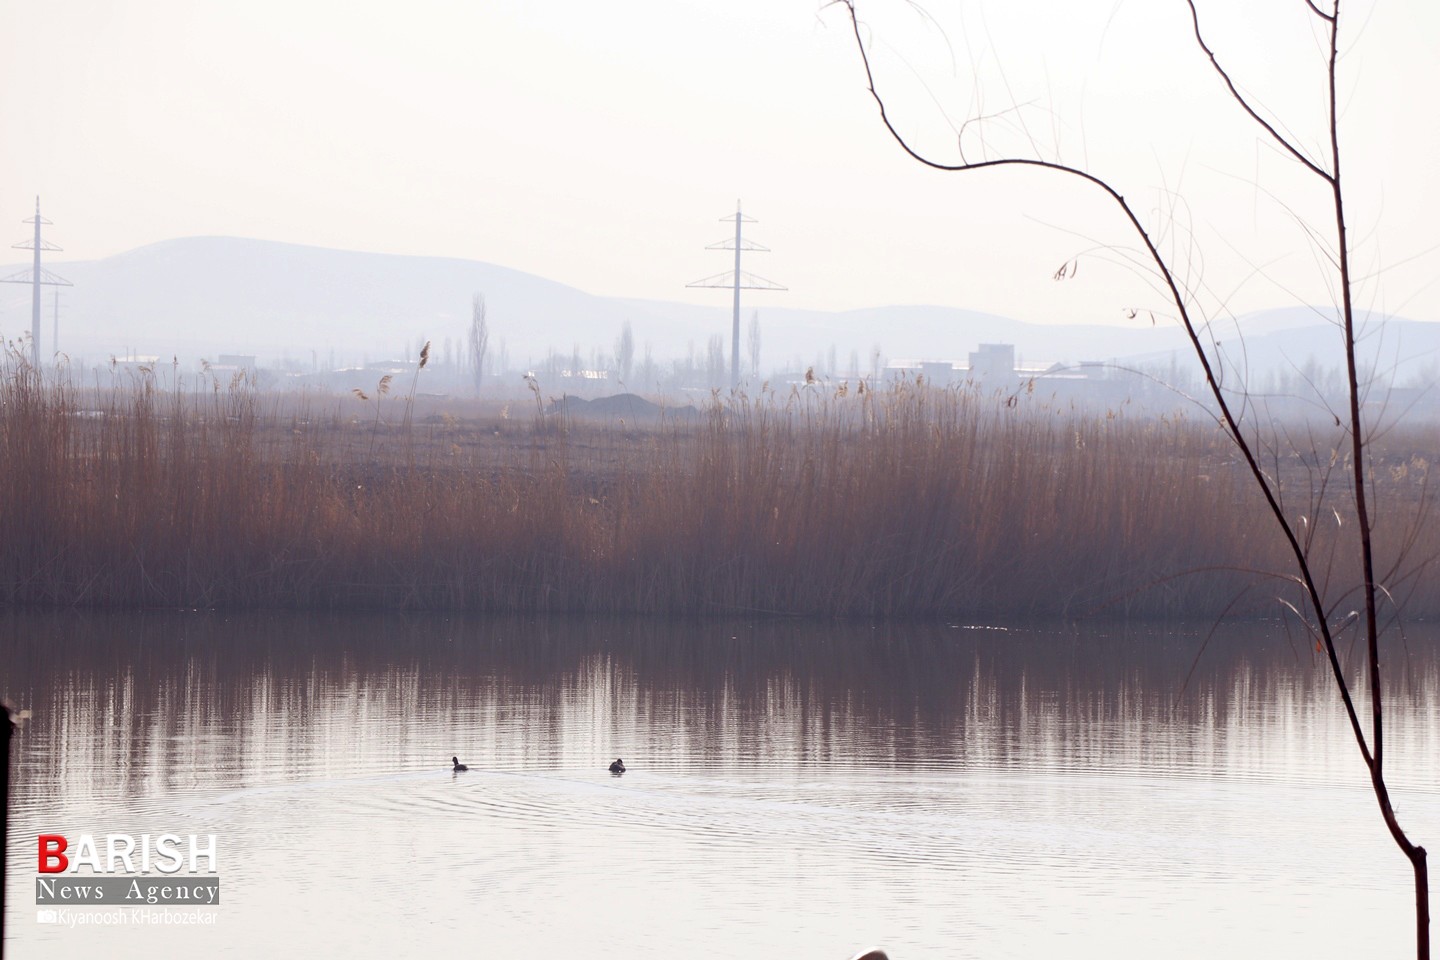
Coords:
1371,748
1211,377
1245,104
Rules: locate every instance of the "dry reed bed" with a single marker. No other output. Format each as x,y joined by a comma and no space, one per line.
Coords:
906,502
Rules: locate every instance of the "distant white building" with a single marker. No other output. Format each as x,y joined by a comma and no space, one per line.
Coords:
993,362
236,361
937,373
135,363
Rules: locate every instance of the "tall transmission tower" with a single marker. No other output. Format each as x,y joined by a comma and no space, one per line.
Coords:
36,277
737,280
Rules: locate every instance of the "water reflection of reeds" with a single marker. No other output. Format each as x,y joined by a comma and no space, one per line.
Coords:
144,705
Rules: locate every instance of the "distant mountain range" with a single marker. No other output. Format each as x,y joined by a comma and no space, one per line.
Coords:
199,297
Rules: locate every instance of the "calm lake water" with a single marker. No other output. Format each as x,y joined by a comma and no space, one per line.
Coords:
795,791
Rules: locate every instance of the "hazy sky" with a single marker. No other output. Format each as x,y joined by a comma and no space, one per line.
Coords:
599,143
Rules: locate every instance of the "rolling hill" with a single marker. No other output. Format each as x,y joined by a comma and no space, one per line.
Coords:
199,297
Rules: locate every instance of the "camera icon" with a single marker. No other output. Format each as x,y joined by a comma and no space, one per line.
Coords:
46,916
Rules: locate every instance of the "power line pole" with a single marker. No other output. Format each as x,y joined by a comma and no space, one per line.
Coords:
738,281
36,277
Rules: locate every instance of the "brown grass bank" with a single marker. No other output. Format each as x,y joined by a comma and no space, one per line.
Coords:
904,502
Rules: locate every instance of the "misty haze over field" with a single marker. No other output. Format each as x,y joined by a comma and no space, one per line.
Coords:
310,308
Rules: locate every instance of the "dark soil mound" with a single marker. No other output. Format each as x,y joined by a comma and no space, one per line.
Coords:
621,406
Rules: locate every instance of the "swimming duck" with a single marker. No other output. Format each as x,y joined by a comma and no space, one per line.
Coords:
618,767
459,767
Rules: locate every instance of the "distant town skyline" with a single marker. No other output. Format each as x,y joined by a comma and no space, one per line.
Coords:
600,145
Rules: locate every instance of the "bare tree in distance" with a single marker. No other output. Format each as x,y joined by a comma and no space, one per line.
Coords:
625,353
752,343
1324,620
479,338
714,361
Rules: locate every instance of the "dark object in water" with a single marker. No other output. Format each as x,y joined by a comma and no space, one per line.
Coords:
459,767
8,720
618,767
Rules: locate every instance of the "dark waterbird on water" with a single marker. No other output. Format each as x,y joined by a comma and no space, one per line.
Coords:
618,767
459,767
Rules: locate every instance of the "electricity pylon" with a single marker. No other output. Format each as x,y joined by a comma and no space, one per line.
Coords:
36,277
738,281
